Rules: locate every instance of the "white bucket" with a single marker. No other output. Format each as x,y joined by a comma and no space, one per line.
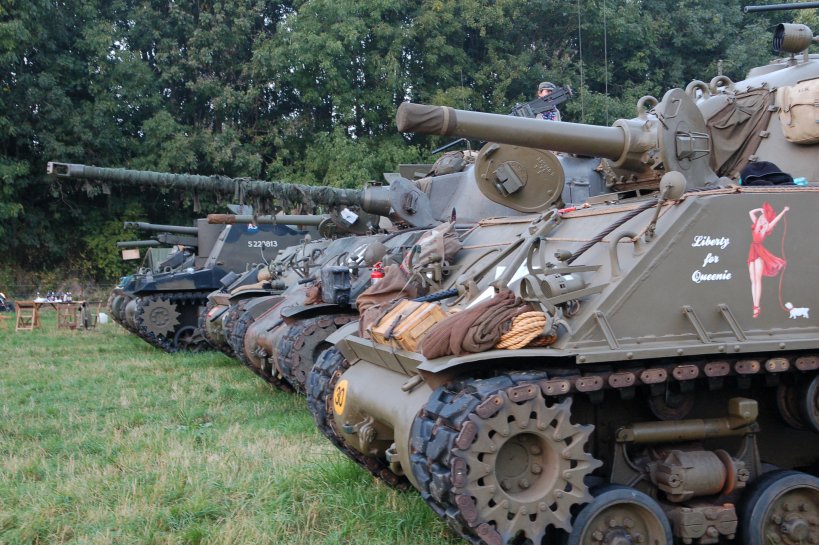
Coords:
102,318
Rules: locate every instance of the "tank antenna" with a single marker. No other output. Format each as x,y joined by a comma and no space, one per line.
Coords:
606,59
580,52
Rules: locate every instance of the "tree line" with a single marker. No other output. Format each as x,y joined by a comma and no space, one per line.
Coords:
302,91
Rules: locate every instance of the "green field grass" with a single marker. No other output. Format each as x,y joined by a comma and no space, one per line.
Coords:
104,439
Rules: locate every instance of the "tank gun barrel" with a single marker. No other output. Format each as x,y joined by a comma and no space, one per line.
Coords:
158,228
282,219
139,244
778,7
608,142
224,185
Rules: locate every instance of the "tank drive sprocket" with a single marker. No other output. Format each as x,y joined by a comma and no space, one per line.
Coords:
158,316
500,460
321,384
237,325
302,344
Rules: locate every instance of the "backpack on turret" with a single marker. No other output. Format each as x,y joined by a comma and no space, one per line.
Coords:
799,111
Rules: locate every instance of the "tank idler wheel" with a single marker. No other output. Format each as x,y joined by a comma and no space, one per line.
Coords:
321,385
189,339
787,402
619,515
809,404
782,507
499,461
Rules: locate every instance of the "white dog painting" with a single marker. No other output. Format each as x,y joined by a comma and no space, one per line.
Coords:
797,312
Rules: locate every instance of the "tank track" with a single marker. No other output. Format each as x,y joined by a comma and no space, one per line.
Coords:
329,366
237,325
224,347
109,303
117,292
302,343
175,298
449,422
446,425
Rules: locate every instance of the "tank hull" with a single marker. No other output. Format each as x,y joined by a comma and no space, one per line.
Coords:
665,327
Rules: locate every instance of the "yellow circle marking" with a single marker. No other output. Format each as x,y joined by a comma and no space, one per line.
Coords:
340,397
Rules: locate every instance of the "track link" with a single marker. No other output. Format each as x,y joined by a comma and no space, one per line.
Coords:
303,343
177,299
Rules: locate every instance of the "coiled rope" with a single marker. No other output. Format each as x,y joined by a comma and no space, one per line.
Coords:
527,330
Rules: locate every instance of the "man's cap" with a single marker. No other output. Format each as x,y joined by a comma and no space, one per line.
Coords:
546,85
764,173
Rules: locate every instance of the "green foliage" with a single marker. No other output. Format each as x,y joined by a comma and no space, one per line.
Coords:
337,160
102,255
304,91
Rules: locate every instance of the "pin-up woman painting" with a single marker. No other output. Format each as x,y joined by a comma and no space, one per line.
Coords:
761,262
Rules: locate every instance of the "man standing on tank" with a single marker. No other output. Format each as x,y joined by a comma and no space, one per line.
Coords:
545,89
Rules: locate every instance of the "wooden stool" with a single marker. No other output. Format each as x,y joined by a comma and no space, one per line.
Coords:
67,316
4,320
28,315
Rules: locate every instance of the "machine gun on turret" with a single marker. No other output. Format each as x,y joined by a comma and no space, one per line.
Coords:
542,104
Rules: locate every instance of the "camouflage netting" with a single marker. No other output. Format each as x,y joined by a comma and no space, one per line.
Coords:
239,189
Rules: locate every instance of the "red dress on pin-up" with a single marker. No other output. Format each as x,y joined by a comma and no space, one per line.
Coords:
771,264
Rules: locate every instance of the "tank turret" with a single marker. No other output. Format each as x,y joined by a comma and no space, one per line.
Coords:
517,165
708,132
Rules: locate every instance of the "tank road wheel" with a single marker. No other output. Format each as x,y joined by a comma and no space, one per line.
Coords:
782,508
158,316
302,344
499,461
787,402
809,404
619,515
189,339
321,384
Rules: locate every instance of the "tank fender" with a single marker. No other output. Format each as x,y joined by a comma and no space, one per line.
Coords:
259,306
307,311
453,364
249,294
338,339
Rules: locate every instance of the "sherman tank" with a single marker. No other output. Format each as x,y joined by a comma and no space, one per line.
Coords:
641,368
